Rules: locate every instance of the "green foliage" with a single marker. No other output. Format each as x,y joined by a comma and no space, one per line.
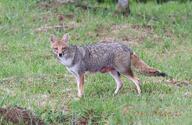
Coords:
31,77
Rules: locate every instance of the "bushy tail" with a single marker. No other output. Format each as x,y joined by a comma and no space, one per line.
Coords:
144,68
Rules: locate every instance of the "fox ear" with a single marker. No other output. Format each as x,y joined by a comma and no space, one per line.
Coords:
53,39
65,38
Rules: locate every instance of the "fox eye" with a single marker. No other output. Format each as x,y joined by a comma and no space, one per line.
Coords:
63,49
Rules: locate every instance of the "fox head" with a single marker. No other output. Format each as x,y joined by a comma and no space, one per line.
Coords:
59,45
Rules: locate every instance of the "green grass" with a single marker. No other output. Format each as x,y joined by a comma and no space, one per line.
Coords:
31,77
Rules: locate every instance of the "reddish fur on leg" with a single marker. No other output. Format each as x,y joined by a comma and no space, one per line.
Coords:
81,84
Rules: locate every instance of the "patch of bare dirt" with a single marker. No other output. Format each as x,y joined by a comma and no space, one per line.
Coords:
19,115
61,17
133,34
128,33
47,5
57,3
53,3
167,113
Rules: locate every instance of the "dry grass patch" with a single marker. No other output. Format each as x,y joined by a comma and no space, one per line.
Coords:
133,34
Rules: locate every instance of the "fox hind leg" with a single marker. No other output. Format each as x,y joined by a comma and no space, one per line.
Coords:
116,77
129,74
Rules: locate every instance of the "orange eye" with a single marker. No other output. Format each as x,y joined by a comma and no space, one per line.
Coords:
63,49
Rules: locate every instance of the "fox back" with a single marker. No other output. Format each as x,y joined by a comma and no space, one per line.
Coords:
103,55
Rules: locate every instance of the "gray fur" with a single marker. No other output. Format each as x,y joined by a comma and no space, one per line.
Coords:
94,57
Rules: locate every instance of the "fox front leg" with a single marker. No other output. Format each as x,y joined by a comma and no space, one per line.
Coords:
80,84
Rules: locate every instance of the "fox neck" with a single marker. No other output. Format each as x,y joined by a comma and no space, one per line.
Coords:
68,58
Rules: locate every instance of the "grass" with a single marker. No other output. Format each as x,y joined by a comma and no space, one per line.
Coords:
31,77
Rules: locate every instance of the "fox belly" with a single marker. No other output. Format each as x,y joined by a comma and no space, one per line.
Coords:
106,69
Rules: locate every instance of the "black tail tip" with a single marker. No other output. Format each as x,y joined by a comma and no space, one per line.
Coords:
161,74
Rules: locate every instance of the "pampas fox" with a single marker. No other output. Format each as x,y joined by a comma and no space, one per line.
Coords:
105,57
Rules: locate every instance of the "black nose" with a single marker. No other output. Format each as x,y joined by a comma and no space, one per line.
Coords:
60,54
